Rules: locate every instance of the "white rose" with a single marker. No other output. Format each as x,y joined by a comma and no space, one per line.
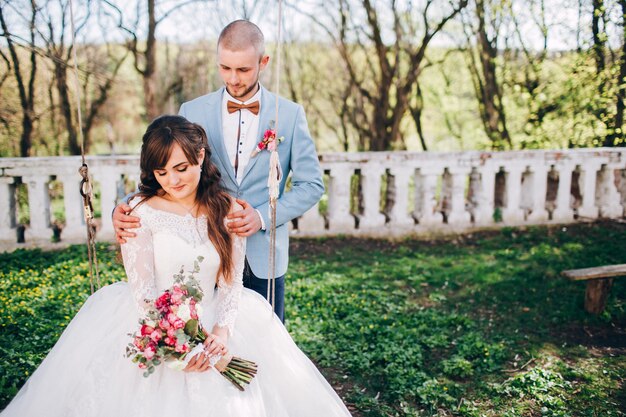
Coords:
184,313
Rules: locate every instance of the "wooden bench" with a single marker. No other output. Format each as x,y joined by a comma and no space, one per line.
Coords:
599,281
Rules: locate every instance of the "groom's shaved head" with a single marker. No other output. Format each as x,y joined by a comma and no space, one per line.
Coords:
240,35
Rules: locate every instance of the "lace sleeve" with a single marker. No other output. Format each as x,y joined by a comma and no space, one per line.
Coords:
138,256
229,293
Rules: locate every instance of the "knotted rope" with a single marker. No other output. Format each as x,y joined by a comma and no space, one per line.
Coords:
86,190
274,176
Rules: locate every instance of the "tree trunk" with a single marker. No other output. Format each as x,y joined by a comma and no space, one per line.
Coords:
617,135
60,73
416,114
26,142
383,70
26,93
491,100
598,38
599,55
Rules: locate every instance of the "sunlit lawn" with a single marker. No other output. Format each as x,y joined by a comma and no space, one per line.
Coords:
469,325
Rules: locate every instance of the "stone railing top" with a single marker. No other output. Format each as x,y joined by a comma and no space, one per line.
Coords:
63,164
424,191
612,155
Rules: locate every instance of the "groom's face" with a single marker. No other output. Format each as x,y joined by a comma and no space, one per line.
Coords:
240,71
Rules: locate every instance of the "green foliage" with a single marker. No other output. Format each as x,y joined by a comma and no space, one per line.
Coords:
39,294
415,328
546,387
477,325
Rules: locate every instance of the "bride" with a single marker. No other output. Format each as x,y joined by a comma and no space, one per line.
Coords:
182,210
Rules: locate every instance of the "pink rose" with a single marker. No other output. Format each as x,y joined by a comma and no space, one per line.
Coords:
171,317
178,324
171,332
150,351
177,295
162,303
261,145
271,146
146,330
170,341
142,365
182,348
164,324
156,335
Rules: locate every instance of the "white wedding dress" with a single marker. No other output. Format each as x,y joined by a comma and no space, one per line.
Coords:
86,374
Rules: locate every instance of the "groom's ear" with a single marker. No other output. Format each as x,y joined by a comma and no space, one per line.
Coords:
264,60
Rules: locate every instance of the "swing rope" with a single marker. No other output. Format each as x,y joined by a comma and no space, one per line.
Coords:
86,189
273,180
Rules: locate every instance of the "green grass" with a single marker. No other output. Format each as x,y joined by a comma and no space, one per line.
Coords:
474,325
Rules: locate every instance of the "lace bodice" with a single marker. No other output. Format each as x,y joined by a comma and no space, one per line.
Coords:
165,242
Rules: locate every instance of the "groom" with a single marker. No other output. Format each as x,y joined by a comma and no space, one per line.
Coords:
235,118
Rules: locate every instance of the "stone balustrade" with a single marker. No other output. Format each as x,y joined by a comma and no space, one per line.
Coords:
378,194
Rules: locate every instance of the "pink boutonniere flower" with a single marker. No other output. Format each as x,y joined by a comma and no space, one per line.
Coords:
269,141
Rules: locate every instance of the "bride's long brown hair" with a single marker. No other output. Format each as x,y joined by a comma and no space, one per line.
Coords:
161,135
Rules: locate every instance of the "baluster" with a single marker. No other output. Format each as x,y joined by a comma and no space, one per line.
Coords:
312,221
7,209
563,211
539,188
458,215
74,217
426,197
484,210
108,178
339,217
588,178
609,205
399,217
39,207
512,212
371,218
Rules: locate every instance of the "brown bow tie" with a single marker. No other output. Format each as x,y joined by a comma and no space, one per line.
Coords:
233,107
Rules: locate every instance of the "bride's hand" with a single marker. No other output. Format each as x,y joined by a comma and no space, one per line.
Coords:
215,345
199,363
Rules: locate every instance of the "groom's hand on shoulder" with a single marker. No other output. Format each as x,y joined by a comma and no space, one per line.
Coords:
122,222
244,222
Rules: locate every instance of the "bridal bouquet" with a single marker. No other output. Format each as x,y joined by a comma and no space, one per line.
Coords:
171,333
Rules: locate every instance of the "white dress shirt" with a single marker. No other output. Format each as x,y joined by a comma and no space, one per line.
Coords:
246,124
248,134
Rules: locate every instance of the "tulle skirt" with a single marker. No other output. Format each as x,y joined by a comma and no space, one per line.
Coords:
86,374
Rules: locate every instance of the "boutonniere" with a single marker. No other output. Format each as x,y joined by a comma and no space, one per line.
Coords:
269,141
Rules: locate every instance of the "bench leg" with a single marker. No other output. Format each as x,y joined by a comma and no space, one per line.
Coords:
596,294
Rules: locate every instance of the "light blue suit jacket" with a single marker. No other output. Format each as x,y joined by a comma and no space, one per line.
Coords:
297,155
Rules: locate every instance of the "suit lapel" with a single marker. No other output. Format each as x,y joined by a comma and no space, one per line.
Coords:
268,113
214,131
